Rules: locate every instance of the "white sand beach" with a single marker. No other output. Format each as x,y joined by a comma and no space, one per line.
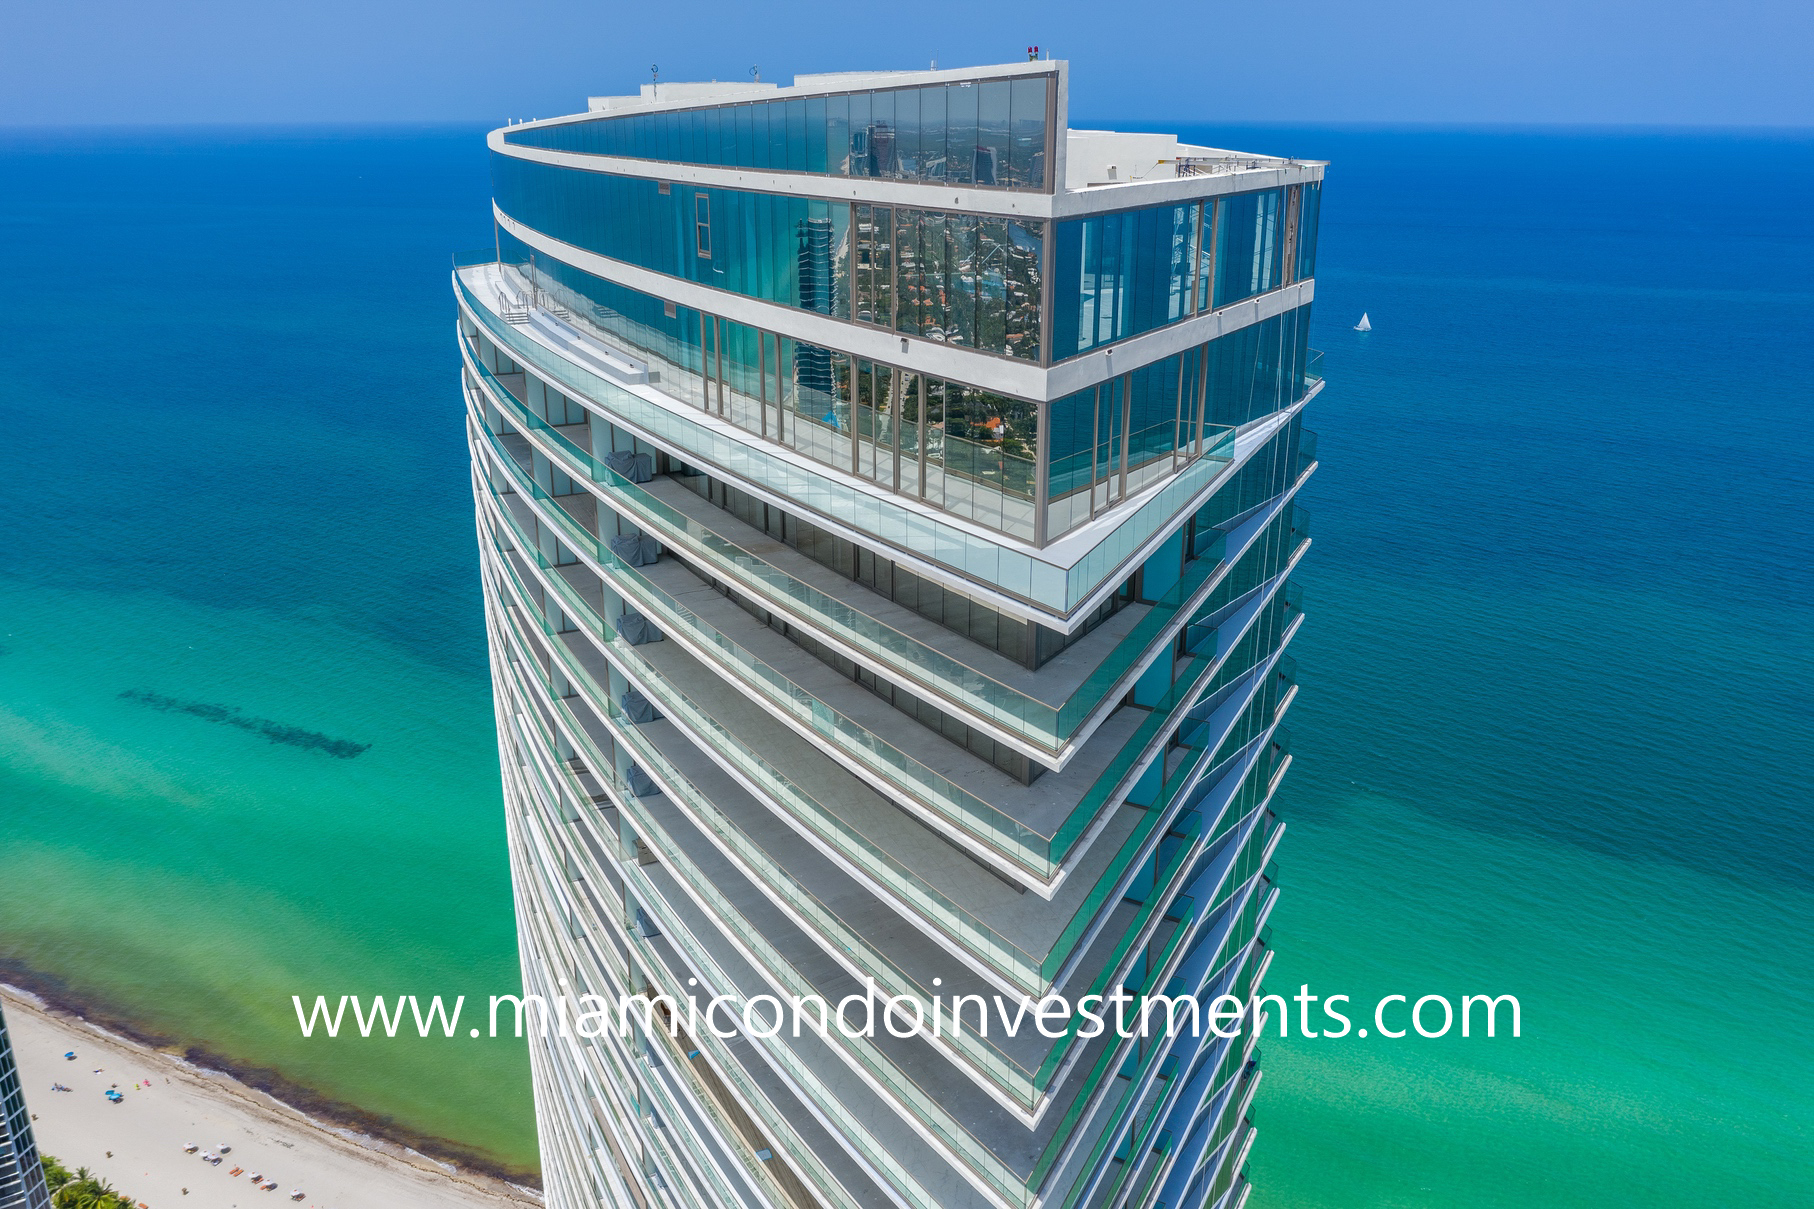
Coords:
136,1145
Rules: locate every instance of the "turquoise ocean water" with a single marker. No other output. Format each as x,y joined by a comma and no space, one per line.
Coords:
1554,738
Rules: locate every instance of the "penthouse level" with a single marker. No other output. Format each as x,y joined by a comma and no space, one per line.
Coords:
1066,356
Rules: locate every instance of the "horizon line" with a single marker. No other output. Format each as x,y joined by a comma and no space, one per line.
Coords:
1084,123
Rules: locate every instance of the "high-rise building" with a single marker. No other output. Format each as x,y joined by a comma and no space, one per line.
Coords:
21,1175
886,502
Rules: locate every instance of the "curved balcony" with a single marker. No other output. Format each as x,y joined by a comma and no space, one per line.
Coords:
733,769
840,935
1010,959
1031,848
577,672
731,1091
1178,914
1038,577
1021,710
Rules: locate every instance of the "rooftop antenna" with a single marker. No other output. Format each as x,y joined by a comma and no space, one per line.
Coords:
655,79
756,72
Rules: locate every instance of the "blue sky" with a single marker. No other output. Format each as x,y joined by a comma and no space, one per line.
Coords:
1671,62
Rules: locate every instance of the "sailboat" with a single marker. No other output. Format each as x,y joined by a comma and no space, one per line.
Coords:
1364,325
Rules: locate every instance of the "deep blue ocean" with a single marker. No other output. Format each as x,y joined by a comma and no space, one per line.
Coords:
1555,735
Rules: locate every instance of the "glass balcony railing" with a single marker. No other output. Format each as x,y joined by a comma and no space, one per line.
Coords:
964,927
1115,1059
1039,853
911,660
1294,595
846,1124
1313,368
925,1108
1150,732
1003,567
1181,854
977,817
928,1110
826,720
1007,957
1306,450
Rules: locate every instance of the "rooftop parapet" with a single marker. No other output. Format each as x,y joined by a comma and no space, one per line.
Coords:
993,126
1100,158
664,95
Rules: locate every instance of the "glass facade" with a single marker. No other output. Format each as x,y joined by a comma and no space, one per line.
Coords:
1264,476
958,447
21,1178
964,279
1026,642
1118,275
1256,370
1249,256
961,279
1108,441
1311,204
991,133
969,451
790,250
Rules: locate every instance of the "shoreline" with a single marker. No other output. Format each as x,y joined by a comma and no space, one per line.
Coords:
318,1131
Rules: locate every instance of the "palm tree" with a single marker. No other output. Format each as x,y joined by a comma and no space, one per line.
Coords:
69,1194
94,1193
55,1174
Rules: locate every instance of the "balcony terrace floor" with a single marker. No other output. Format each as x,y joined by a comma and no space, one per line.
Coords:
1008,1138
909,949
1052,684
1027,920
1043,805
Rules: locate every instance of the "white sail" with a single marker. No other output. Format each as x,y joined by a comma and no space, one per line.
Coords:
1364,325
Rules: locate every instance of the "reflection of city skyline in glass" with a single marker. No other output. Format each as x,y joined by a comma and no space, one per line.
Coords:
985,165
812,365
881,151
991,133
875,151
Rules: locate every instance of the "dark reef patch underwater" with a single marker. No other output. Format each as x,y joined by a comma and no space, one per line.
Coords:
232,715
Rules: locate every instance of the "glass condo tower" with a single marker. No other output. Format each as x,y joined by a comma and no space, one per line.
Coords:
21,1175
885,497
